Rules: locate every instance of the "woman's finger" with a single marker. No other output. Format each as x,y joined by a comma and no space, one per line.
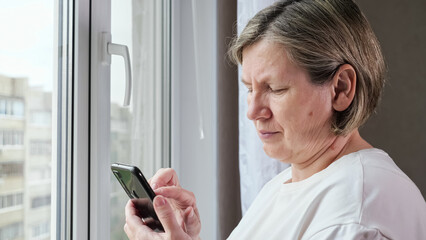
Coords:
167,216
192,222
179,194
143,207
164,177
182,197
130,209
135,228
127,231
133,222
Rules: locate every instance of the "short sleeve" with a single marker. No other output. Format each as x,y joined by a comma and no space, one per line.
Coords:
348,231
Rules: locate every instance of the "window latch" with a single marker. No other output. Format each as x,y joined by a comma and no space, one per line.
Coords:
109,49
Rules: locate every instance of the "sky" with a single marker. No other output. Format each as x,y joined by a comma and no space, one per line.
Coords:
27,40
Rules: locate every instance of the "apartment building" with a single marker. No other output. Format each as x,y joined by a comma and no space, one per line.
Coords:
38,158
12,156
25,160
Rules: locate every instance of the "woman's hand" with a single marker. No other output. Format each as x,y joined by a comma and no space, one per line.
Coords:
175,207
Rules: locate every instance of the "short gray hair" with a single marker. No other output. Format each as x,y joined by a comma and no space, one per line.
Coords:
320,36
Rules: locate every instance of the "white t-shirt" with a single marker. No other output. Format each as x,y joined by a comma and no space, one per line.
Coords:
362,195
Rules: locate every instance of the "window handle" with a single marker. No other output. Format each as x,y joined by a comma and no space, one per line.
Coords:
121,50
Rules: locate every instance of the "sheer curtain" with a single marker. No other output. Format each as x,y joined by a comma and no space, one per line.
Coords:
256,168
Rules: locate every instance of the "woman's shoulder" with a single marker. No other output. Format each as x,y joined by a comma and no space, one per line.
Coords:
374,164
367,188
376,175
375,159
381,174
390,200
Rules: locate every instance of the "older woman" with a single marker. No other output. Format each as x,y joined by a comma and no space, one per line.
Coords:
314,72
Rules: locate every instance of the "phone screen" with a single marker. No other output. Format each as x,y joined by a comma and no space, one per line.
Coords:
136,187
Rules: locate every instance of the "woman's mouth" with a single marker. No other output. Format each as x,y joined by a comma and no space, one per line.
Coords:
265,135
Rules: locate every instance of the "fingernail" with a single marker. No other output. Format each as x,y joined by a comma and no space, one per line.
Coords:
154,186
191,213
160,201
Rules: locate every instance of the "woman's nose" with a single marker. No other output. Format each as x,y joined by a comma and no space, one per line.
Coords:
258,108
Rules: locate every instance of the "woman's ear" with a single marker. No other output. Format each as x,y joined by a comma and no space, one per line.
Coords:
344,85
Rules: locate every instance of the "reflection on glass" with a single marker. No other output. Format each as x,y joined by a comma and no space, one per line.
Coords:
26,76
136,130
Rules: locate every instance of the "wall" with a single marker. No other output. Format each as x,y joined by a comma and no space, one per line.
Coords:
399,125
194,116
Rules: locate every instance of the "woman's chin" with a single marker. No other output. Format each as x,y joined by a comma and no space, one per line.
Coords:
278,153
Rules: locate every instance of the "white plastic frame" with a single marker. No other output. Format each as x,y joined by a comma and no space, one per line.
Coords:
99,116
81,88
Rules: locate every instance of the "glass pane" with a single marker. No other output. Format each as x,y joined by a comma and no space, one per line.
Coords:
136,130
27,73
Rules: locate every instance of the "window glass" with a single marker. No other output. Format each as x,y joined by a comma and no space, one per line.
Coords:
136,131
11,169
18,108
10,200
28,68
40,201
2,106
40,230
12,231
41,117
9,108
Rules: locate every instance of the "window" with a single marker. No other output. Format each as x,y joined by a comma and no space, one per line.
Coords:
34,73
40,147
41,118
41,230
40,201
11,200
2,107
36,106
18,108
12,231
11,169
9,137
138,134
39,174
11,107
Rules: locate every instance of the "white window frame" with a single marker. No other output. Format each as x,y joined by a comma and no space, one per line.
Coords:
193,158
81,92
99,123
90,141
62,128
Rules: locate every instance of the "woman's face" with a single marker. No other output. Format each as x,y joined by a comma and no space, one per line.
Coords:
291,115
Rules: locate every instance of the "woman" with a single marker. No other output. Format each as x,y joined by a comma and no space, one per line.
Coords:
314,72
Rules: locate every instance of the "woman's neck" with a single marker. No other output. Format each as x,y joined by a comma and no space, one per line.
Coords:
338,147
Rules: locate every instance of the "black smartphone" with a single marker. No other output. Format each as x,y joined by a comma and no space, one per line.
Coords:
135,185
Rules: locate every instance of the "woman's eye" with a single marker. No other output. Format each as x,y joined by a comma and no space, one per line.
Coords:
277,91
249,90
